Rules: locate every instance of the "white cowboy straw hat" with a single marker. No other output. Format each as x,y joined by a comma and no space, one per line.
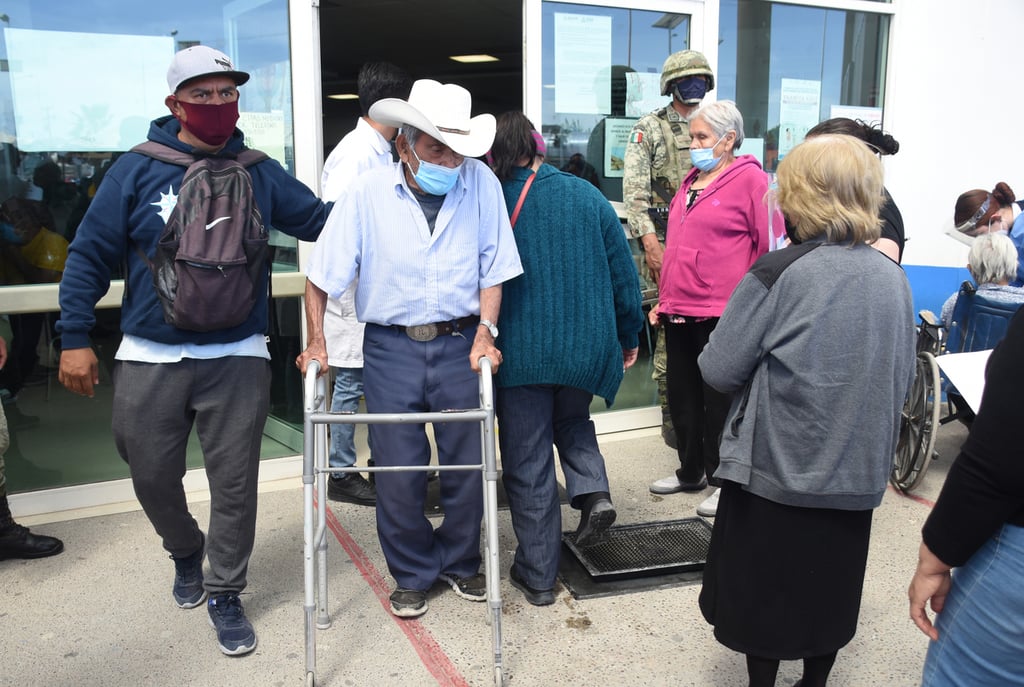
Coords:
442,111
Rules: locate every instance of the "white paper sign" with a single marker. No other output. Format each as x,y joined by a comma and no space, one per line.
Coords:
583,57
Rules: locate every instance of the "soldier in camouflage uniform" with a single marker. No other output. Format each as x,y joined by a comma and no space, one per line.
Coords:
657,159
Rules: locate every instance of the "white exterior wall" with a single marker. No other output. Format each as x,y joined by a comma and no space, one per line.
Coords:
952,104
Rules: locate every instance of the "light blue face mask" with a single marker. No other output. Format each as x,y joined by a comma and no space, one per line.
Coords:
704,158
8,234
436,180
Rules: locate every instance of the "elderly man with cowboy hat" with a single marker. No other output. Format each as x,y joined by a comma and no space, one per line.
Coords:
429,239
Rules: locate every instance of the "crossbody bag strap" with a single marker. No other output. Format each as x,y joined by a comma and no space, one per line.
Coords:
522,197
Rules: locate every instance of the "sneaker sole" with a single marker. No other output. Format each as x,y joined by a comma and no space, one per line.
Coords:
458,592
689,488
237,651
407,612
190,604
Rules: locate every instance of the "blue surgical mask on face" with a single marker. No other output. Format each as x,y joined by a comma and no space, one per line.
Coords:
8,234
704,158
436,180
691,89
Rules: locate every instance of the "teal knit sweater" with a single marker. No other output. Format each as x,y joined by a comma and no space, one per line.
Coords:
567,319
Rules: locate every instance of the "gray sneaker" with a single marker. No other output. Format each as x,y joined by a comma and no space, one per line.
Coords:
408,603
473,588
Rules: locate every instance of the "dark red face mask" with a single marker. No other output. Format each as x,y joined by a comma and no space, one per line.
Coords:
211,124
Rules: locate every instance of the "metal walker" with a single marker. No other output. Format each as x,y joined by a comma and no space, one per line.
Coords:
314,474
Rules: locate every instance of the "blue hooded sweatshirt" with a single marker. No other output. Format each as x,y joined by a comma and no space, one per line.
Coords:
130,209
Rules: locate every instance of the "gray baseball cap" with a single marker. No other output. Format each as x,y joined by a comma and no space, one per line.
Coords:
201,60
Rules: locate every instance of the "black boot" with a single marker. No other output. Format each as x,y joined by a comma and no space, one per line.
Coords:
17,542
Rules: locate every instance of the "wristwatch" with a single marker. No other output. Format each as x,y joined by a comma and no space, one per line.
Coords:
491,327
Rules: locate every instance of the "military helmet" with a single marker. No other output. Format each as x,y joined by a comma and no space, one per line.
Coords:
685,63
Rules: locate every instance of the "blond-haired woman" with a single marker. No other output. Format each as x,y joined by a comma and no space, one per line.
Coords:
816,345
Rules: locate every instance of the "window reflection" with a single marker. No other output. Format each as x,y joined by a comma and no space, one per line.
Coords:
600,68
790,67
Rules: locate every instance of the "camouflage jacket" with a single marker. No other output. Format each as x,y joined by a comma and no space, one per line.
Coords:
658,152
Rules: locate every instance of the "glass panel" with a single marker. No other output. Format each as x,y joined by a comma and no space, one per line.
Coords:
789,67
601,68
79,84
82,450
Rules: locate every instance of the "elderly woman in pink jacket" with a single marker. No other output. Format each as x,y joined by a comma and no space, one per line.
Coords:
717,227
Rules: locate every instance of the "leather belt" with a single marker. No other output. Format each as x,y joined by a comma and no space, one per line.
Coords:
429,332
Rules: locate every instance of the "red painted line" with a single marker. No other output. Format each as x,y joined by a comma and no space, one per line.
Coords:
913,497
430,652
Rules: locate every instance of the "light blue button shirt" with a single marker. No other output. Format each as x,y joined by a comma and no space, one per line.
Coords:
408,275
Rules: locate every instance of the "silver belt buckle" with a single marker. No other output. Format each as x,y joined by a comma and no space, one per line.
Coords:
422,332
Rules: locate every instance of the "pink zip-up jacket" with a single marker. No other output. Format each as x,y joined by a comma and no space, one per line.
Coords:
712,244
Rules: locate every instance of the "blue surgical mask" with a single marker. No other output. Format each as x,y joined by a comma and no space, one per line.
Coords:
434,179
704,158
691,89
8,234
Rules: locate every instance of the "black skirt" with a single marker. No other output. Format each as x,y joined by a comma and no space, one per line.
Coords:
783,582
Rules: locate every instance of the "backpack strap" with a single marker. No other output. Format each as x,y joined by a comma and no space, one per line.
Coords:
165,153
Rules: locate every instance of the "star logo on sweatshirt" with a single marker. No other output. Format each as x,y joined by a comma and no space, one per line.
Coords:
166,204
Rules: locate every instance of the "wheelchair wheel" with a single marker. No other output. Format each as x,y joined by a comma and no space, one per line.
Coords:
918,424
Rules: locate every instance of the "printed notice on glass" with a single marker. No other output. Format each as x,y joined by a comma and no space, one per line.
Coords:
264,131
616,135
799,108
583,57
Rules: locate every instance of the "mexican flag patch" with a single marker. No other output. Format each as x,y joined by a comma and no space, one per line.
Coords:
636,137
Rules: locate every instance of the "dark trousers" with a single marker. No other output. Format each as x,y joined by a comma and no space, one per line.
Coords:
155,407
404,376
532,419
698,411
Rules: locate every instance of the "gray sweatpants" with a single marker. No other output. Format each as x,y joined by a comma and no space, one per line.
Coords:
155,407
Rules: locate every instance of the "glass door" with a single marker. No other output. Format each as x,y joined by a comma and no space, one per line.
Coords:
594,71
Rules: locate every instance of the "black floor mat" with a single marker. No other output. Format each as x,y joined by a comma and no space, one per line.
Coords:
636,557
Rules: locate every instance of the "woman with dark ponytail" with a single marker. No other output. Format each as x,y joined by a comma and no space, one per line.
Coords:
893,237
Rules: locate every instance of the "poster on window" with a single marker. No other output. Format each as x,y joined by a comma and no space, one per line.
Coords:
799,110
616,135
583,53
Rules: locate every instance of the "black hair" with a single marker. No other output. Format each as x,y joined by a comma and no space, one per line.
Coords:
513,141
872,135
378,80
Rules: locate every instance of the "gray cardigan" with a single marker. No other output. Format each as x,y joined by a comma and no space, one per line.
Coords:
817,346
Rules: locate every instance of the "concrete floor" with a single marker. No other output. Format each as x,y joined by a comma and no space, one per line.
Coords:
101,613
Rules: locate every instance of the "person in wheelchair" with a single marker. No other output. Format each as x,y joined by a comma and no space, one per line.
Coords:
992,262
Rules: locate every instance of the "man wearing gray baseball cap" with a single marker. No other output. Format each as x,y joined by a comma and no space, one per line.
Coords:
168,378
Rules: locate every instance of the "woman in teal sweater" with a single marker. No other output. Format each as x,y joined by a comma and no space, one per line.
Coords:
569,328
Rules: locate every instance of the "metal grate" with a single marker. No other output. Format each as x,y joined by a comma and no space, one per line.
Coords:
653,548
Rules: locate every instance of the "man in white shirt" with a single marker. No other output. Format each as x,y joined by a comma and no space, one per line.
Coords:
362,149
